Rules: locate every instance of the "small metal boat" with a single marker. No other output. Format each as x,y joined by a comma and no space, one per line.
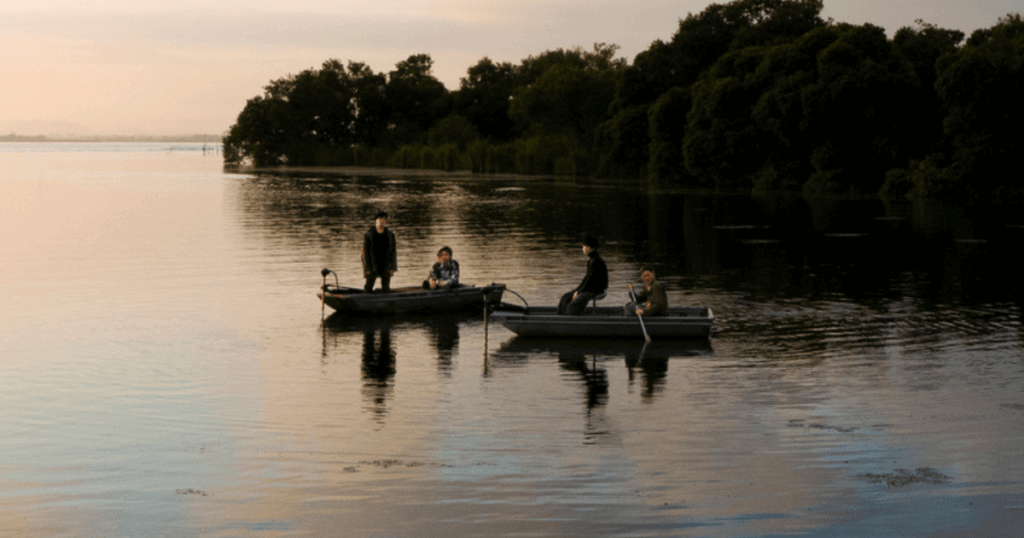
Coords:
605,322
410,300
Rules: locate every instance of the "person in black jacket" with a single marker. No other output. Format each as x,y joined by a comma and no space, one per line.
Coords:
594,283
380,255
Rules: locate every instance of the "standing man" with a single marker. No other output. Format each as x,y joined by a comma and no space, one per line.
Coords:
594,283
380,255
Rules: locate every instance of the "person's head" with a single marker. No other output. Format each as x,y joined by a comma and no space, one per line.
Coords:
647,275
590,243
444,254
380,219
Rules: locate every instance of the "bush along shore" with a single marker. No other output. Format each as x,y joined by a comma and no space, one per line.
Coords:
753,95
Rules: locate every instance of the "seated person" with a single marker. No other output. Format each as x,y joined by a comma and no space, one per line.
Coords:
594,283
651,300
445,273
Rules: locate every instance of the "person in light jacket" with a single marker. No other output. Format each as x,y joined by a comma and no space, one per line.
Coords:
444,273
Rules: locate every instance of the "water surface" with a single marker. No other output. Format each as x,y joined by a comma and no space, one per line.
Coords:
167,370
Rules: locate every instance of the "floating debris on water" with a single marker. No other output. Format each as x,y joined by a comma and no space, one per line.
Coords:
799,423
190,491
903,477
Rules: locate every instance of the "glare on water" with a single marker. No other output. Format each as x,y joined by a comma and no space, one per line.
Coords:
167,370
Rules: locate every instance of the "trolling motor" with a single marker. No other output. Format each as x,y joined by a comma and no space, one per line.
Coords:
324,272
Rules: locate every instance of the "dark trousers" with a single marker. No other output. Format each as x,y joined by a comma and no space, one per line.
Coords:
385,281
574,307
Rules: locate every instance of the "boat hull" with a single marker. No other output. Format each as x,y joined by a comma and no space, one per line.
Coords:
607,322
410,300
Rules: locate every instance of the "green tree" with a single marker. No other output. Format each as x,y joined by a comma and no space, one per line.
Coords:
981,88
418,100
484,96
856,114
565,100
721,144
619,153
254,136
570,95
785,146
306,118
372,108
700,41
667,120
455,130
921,49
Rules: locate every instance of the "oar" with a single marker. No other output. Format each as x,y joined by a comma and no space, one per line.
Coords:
647,339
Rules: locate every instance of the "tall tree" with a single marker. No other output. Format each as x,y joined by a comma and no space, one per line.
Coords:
980,87
856,114
310,118
921,49
418,99
570,95
484,96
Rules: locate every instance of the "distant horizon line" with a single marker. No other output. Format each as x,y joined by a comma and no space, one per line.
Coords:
14,137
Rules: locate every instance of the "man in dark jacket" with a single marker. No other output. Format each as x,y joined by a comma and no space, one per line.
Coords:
380,255
594,283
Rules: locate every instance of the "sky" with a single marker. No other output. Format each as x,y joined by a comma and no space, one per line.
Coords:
141,67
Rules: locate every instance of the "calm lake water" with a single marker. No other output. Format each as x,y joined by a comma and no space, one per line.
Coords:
167,372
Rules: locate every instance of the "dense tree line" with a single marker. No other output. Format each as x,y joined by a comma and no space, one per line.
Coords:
750,95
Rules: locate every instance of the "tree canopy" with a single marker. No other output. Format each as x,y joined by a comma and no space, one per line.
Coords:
746,95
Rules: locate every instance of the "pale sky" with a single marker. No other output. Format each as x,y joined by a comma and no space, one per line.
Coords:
188,66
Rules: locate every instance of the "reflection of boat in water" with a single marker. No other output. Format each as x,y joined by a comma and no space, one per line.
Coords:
648,364
343,322
410,300
606,322
608,348
442,329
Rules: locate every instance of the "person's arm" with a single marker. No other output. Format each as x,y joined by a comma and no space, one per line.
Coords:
455,274
362,255
394,252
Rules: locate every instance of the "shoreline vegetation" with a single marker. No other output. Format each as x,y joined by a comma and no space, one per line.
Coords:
752,95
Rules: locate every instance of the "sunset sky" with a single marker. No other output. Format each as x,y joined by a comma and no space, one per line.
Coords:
187,67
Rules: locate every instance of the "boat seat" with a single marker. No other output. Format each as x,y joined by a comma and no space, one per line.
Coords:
598,297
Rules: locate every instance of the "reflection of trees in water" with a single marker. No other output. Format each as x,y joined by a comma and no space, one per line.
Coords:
780,245
378,369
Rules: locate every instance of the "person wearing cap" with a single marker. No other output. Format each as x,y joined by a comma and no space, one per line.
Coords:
380,255
651,300
444,273
594,283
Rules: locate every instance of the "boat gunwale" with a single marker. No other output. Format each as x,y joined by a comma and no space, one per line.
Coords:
351,300
607,322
